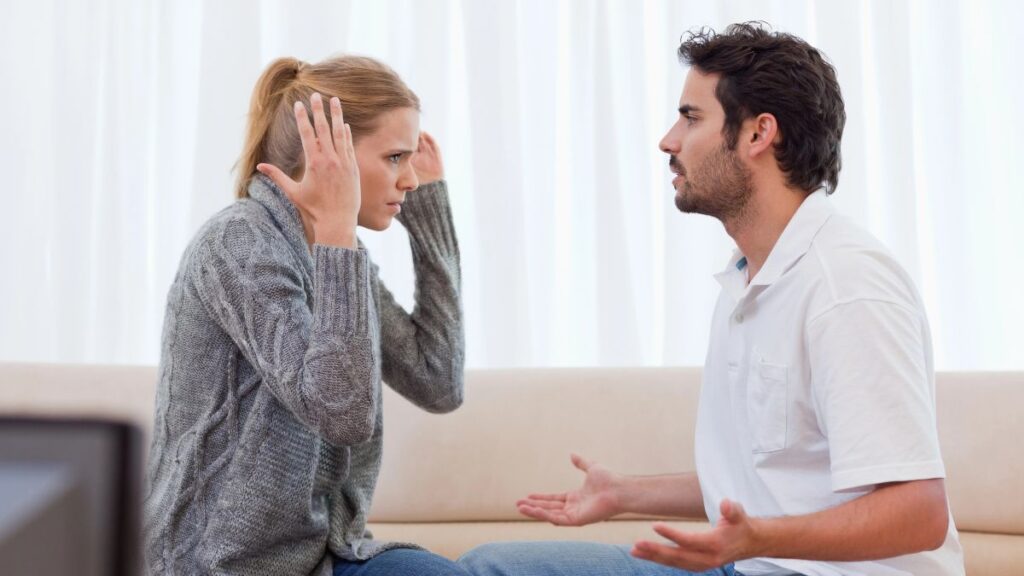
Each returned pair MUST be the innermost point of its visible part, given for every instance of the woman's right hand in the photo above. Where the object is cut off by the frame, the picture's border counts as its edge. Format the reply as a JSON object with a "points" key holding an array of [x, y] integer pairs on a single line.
{"points": [[328, 196], [595, 501]]}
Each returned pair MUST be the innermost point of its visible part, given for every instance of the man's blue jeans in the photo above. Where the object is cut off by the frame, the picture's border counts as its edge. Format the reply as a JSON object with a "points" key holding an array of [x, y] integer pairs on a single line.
{"points": [[400, 562], [567, 559]]}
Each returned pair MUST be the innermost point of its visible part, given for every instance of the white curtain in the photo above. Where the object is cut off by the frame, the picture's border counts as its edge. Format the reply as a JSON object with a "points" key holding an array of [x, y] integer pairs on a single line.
{"points": [[123, 119]]}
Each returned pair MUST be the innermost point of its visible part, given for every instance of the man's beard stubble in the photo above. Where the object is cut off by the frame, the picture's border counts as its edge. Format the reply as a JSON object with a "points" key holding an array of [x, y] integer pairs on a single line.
{"points": [[719, 187]]}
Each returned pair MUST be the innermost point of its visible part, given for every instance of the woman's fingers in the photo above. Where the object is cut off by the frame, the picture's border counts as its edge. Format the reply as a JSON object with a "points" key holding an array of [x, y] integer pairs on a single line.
{"points": [[278, 176], [340, 132], [306, 133], [323, 129], [431, 144], [428, 147]]}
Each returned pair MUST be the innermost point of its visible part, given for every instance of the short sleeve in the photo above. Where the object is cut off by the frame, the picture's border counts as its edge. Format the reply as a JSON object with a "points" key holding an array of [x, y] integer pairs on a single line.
{"points": [[873, 387]]}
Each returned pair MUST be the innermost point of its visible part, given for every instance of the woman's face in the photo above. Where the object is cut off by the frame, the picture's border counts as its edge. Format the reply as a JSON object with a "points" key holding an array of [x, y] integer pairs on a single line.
{"points": [[385, 167]]}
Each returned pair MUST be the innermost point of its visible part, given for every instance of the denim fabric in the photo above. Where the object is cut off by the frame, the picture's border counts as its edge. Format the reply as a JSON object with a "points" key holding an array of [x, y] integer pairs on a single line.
{"points": [[567, 559], [400, 562]]}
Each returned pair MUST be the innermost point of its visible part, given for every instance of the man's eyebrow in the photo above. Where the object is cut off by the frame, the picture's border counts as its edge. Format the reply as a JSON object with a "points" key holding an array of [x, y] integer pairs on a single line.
{"points": [[688, 108]]}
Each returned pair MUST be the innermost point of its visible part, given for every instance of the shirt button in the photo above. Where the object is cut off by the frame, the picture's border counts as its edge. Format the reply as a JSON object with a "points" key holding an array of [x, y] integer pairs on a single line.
{"points": [[739, 317]]}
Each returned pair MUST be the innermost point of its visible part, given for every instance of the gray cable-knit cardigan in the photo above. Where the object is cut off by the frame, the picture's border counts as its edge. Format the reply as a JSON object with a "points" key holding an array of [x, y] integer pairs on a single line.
{"points": [[267, 437]]}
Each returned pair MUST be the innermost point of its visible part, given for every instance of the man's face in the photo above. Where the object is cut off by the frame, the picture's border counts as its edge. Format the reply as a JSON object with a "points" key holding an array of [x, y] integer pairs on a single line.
{"points": [[710, 178]]}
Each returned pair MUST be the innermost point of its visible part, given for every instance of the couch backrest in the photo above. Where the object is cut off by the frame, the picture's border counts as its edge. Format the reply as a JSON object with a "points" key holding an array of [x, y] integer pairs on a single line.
{"points": [[515, 431], [517, 427]]}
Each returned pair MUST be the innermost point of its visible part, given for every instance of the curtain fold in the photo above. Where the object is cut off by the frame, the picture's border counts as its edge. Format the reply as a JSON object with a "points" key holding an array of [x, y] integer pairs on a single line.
{"points": [[124, 119]]}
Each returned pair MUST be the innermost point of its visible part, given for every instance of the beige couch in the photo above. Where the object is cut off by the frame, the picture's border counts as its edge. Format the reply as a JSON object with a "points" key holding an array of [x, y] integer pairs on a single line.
{"points": [[450, 482]]}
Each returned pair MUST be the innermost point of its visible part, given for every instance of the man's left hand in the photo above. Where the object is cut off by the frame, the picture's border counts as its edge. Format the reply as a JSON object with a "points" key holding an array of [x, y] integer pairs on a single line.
{"points": [[735, 537]]}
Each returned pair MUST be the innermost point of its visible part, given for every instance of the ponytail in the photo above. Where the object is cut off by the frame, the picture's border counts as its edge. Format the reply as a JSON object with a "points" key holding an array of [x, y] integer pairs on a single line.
{"points": [[277, 80]]}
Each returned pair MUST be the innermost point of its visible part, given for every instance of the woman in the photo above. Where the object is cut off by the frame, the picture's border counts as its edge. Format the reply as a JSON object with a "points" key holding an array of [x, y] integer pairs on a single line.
{"points": [[267, 440]]}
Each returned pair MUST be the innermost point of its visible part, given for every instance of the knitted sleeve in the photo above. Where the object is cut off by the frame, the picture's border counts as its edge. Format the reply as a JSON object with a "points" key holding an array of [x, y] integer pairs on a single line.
{"points": [[424, 352], [318, 360]]}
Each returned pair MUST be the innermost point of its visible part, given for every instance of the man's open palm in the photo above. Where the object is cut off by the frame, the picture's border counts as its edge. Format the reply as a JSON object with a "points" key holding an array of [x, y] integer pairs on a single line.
{"points": [[595, 501]]}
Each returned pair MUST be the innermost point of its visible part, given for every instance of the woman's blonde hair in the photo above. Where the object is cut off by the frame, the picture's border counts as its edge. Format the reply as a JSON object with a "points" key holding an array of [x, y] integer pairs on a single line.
{"points": [[366, 87]]}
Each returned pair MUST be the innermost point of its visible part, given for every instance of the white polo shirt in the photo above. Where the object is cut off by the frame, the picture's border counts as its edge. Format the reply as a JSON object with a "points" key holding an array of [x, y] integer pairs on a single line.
{"points": [[819, 385]]}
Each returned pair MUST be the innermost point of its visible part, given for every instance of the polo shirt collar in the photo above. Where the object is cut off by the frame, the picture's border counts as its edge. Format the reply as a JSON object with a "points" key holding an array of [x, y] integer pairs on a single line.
{"points": [[792, 244]]}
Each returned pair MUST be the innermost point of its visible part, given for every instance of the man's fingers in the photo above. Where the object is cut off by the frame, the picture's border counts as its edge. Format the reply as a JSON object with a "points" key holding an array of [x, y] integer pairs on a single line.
{"points": [[545, 504], [580, 462], [534, 512], [655, 552], [323, 129], [732, 511], [557, 518], [282, 180], [670, 556], [556, 497], [695, 541]]}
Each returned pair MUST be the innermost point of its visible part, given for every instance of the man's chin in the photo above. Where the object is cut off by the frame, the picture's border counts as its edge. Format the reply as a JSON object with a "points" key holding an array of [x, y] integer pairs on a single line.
{"points": [[684, 203]]}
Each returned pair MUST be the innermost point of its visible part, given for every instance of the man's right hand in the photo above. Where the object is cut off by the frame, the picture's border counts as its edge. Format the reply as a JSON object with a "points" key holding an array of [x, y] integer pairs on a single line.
{"points": [[595, 501]]}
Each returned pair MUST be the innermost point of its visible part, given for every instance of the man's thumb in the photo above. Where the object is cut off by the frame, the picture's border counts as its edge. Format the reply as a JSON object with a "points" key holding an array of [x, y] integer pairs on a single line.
{"points": [[731, 511], [581, 463]]}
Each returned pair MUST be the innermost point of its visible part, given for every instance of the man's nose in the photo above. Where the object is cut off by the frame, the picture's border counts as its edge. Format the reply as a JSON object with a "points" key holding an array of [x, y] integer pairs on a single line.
{"points": [[669, 144]]}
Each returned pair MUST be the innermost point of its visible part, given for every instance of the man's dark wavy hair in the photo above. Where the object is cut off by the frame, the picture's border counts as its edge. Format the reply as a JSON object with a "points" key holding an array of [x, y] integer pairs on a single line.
{"points": [[779, 74]]}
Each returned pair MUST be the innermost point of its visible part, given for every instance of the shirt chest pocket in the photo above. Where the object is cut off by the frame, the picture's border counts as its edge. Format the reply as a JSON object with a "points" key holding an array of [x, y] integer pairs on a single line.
{"points": [[767, 404]]}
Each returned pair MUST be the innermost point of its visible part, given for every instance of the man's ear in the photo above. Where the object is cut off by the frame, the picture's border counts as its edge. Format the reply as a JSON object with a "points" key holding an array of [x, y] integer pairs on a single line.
{"points": [[762, 134]]}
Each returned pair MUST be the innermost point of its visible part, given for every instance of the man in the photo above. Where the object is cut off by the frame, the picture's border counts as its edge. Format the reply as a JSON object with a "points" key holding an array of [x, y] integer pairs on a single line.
{"points": [[816, 448]]}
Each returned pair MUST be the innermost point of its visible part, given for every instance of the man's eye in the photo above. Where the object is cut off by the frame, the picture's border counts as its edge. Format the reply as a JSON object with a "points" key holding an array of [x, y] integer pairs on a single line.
{"points": [[395, 158], [689, 120]]}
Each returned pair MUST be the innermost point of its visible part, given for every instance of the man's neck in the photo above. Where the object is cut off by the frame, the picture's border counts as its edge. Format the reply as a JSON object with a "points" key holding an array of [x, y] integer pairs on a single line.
{"points": [[758, 228]]}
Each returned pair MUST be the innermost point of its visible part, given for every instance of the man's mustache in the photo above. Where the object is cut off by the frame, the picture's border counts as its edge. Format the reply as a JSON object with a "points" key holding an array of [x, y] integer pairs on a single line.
{"points": [[676, 166]]}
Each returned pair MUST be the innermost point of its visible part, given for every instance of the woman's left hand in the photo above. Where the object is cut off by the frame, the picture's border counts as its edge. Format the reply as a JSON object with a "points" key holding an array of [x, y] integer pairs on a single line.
{"points": [[427, 160]]}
